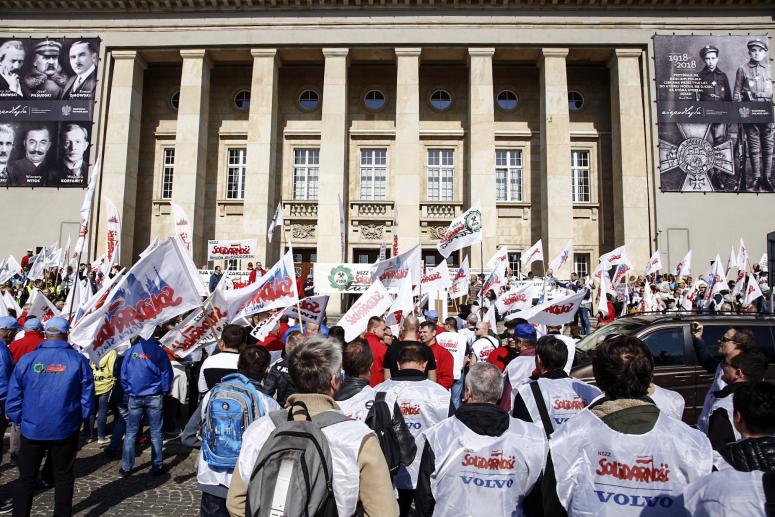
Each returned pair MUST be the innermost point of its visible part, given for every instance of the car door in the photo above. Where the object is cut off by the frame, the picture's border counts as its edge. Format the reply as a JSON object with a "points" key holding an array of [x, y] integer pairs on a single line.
{"points": [[672, 371]]}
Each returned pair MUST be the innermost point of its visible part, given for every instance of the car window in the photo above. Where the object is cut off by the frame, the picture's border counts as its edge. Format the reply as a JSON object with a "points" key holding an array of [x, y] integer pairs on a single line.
{"points": [[616, 328], [666, 345], [763, 335]]}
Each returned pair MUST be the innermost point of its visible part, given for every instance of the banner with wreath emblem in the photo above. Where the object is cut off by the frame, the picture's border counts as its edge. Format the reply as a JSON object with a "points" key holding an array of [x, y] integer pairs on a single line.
{"points": [[338, 278]]}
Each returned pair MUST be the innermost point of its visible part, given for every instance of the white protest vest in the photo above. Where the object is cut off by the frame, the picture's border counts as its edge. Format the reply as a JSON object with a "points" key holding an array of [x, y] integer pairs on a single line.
{"points": [[520, 369], [456, 345], [484, 476], [570, 344], [726, 403], [718, 384], [423, 404], [482, 347], [728, 494], [669, 402], [358, 405], [344, 442], [563, 398], [601, 472]]}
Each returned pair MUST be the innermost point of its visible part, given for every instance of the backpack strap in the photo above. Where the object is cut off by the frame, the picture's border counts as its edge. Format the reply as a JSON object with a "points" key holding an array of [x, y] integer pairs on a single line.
{"points": [[380, 396], [542, 411], [768, 480]]}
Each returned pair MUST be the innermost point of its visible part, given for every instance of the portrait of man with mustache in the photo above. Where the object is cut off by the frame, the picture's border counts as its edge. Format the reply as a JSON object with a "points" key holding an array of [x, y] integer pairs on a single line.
{"points": [[32, 171], [46, 79]]}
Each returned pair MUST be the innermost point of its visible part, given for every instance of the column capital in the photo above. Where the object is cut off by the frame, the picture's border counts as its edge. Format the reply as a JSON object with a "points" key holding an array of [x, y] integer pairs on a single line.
{"points": [[618, 54], [263, 52], [481, 52], [408, 51], [551, 52], [336, 52], [129, 55], [197, 53]]}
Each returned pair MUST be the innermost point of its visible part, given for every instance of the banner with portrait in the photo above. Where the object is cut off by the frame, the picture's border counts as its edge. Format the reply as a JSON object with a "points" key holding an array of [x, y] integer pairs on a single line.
{"points": [[714, 112], [47, 89]]}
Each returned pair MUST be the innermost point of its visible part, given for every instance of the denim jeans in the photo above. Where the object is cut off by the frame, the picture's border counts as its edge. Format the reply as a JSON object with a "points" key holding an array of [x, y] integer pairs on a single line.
{"points": [[119, 428], [584, 312], [457, 392], [152, 406], [100, 410]]}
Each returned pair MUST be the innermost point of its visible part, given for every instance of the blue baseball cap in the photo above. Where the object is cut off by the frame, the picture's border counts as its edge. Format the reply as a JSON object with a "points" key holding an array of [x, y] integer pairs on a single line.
{"points": [[288, 332], [57, 325], [525, 331], [33, 324], [9, 323], [432, 315]]}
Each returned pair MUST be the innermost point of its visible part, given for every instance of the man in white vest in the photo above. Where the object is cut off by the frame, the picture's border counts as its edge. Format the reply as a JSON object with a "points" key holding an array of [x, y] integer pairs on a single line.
{"points": [[483, 343], [456, 344], [360, 473], [479, 462], [621, 456], [552, 398], [569, 342], [519, 369], [731, 494], [422, 402], [749, 366]]}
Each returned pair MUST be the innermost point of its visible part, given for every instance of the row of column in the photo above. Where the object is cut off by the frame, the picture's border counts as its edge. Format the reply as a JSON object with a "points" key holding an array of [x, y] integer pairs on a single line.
{"points": [[630, 185]]}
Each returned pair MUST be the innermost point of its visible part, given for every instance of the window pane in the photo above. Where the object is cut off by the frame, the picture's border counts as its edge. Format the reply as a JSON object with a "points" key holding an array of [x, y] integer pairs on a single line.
{"points": [[667, 346], [581, 264], [168, 169], [500, 184], [305, 173], [580, 176]]}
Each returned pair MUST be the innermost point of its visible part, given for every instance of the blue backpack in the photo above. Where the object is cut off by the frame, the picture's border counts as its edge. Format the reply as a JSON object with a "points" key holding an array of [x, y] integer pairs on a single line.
{"points": [[234, 404]]}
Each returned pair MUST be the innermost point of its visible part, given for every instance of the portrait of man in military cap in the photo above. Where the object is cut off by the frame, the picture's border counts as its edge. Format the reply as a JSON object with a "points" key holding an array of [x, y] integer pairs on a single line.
{"points": [[46, 79], [753, 83]]}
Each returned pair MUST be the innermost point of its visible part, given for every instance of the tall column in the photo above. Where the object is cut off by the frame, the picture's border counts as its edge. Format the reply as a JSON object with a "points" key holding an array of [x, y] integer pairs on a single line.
{"points": [[261, 178], [122, 145], [481, 117], [333, 159], [630, 172], [188, 188], [405, 169], [556, 181]]}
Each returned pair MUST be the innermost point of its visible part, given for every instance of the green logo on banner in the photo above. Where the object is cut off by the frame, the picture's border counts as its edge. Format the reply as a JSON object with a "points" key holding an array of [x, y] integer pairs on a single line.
{"points": [[340, 278]]}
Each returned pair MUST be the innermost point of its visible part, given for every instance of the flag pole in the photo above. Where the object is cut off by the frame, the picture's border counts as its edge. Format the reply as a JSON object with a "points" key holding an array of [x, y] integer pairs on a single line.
{"points": [[298, 307], [481, 289]]}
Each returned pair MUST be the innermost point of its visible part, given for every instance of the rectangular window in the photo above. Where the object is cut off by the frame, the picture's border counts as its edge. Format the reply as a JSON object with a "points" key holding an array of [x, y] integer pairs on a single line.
{"points": [[306, 169], [580, 173], [231, 264], [374, 174], [167, 171], [581, 264], [508, 175], [441, 174], [514, 259], [235, 173]]}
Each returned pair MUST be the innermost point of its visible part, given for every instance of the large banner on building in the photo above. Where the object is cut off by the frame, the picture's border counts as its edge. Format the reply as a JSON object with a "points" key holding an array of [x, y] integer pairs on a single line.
{"points": [[714, 111], [217, 250], [338, 278], [47, 89]]}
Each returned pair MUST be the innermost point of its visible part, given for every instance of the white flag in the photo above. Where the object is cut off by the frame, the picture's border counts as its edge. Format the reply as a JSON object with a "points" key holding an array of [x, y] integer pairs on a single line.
{"points": [[655, 263], [193, 272], [37, 269], [532, 254], [41, 307], [621, 272], [752, 291], [10, 304], [742, 256], [465, 230], [182, 228], [313, 309], [496, 280], [391, 271], [374, 302], [156, 289], [556, 312], [277, 220], [515, 299], [277, 288], [395, 232], [8, 268], [602, 301], [436, 280], [717, 279], [152, 246], [113, 232], [461, 281], [402, 305], [763, 266], [501, 256], [684, 267], [202, 325], [489, 319], [739, 282], [64, 260], [613, 257], [732, 261], [86, 208], [53, 255], [342, 230], [562, 257]]}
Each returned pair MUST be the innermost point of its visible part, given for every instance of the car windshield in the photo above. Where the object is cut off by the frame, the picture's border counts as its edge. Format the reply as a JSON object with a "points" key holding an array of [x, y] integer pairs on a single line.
{"points": [[615, 328]]}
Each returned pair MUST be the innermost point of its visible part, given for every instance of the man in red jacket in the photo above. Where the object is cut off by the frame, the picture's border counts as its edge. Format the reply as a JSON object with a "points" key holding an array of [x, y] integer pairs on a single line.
{"points": [[375, 331], [33, 336], [444, 360]]}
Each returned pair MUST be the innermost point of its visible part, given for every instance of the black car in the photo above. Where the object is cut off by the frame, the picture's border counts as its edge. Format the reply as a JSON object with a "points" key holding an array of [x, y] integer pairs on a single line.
{"points": [[669, 338]]}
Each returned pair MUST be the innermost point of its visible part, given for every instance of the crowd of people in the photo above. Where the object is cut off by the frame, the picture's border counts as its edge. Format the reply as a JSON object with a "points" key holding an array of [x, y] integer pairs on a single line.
{"points": [[435, 416]]}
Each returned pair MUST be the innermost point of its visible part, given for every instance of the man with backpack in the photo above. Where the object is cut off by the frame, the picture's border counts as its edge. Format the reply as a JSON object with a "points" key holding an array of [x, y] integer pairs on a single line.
{"points": [[360, 401], [215, 367], [341, 458], [219, 422]]}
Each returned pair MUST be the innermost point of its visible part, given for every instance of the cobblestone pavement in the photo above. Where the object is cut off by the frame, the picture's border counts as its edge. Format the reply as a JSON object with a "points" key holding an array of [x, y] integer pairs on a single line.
{"points": [[100, 490]]}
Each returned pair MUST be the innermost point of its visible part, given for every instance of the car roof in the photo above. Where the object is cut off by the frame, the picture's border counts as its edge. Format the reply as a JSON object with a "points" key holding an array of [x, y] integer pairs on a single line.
{"points": [[646, 319]]}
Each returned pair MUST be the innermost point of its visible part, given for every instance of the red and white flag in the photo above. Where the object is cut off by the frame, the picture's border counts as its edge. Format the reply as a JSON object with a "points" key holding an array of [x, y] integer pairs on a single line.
{"points": [[613, 258], [717, 279], [113, 232], [465, 230], [622, 269], [437, 279], [461, 281], [276, 289], [10, 303], [277, 220], [374, 302], [202, 325], [752, 291], [86, 208], [739, 282], [684, 267], [556, 312], [501, 256], [655, 263], [515, 299], [182, 228], [391, 271], [532, 254], [496, 280], [562, 257], [742, 256], [313, 309], [265, 326], [402, 305], [41, 307]]}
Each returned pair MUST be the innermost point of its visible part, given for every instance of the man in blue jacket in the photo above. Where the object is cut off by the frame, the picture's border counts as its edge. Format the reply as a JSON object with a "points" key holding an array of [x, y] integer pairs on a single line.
{"points": [[49, 396], [146, 376], [8, 329]]}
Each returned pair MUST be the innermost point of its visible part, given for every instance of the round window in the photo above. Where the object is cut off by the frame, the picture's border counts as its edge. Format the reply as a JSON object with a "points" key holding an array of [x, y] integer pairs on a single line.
{"points": [[374, 100], [507, 100], [309, 100], [575, 100], [175, 100], [242, 100], [441, 100]]}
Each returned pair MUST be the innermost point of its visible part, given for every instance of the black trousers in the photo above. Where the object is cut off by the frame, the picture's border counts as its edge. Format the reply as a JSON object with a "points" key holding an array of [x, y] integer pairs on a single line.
{"points": [[62, 454]]}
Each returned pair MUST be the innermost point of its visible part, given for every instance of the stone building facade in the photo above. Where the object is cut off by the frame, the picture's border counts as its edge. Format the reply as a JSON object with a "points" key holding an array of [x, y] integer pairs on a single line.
{"points": [[407, 111]]}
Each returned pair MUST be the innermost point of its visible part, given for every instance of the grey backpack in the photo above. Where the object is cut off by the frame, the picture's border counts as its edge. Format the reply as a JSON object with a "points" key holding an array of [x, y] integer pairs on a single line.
{"points": [[293, 476]]}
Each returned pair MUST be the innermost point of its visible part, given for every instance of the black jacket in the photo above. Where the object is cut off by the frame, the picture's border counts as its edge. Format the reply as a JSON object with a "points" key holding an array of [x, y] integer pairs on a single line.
{"points": [[520, 409], [751, 454], [278, 383], [720, 430]]}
